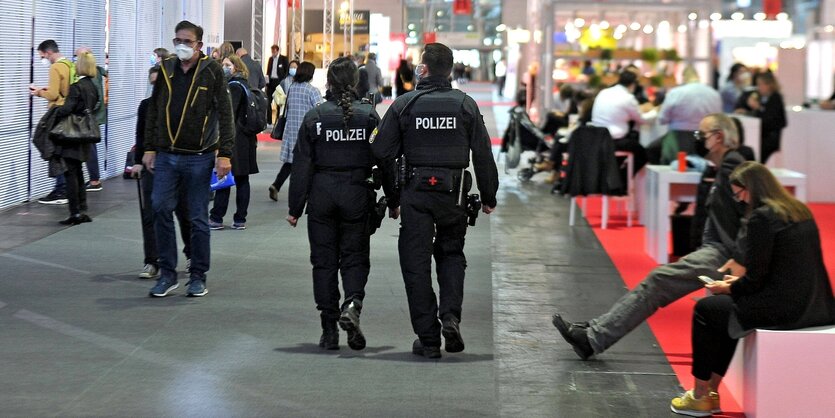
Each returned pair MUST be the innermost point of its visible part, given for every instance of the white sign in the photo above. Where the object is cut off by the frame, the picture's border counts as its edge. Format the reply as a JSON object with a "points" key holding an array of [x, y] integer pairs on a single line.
{"points": [[459, 40]]}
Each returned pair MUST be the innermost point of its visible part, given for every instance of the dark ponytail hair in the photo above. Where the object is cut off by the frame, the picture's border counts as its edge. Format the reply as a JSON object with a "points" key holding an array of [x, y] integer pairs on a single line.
{"points": [[342, 81]]}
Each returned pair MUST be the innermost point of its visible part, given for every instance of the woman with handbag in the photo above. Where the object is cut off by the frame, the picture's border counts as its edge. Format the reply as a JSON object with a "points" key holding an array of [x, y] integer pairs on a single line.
{"points": [[301, 97], [80, 102]]}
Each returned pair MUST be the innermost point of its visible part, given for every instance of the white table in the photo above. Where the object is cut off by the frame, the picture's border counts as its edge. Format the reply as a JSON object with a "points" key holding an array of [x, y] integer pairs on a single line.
{"points": [[662, 185]]}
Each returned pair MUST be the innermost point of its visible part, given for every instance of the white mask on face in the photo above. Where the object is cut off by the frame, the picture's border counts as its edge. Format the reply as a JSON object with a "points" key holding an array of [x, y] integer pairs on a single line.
{"points": [[184, 52], [45, 62]]}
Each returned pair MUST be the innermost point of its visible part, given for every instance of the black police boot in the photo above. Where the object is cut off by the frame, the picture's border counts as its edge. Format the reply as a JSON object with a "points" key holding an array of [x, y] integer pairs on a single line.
{"points": [[419, 349], [349, 320], [330, 335], [452, 334], [574, 334]]}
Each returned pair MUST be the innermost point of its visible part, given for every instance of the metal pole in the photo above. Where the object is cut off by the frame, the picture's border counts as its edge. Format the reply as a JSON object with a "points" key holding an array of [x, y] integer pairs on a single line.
{"points": [[547, 69]]}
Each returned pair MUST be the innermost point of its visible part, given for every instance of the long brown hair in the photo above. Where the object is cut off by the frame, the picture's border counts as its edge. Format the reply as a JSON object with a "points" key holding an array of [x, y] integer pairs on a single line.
{"points": [[764, 189]]}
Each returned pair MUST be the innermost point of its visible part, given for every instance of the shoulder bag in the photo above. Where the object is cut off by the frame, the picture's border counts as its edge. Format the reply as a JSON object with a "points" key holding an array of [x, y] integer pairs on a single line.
{"points": [[278, 128], [77, 129]]}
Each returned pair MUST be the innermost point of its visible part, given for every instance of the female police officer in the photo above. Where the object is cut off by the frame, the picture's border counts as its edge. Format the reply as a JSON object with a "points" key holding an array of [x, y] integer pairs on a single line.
{"points": [[331, 165]]}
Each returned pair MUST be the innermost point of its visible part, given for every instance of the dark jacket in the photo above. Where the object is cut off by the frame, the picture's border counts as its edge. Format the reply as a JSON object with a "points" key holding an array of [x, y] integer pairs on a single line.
{"points": [[717, 217], [786, 285], [48, 150], [592, 167], [772, 112], [141, 117], [405, 74], [387, 143], [283, 66], [83, 96], [256, 78], [207, 123], [243, 153]]}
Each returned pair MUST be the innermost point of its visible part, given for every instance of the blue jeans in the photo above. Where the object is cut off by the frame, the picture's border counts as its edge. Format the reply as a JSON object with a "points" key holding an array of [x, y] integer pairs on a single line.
{"points": [[192, 174]]}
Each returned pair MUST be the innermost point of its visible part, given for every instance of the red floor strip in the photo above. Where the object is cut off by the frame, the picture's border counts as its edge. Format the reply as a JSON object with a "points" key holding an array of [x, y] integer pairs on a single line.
{"points": [[671, 325]]}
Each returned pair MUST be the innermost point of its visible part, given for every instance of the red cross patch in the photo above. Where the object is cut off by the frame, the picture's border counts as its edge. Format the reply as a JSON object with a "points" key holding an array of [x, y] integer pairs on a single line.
{"points": [[432, 181]]}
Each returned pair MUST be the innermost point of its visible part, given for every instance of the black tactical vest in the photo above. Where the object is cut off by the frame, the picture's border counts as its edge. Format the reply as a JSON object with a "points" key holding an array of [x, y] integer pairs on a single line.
{"points": [[435, 135], [336, 147]]}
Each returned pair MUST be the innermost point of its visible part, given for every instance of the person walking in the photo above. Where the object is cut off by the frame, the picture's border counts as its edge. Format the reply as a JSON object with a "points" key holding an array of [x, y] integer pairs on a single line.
{"points": [[255, 78], [277, 67], [435, 128], [331, 168], [189, 129]]}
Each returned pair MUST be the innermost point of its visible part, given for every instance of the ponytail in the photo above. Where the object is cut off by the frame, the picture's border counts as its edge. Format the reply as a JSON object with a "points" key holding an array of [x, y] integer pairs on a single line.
{"points": [[346, 100]]}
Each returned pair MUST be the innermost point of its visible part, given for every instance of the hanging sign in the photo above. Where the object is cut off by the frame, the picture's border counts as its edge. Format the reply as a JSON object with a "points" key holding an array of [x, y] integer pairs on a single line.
{"points": [[462, 7]]}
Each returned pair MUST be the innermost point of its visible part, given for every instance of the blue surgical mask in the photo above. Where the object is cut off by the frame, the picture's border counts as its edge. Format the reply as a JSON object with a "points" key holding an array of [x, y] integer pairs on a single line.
{"points": [[227, 71], [292, 72], [418, 72]]}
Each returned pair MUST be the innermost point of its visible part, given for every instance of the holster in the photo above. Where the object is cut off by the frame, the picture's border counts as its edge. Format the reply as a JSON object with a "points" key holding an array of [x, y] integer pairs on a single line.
{"points": [[376, 213]]}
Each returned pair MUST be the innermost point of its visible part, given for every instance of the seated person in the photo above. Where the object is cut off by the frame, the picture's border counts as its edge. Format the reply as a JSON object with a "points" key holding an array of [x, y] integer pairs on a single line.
{"points": [[786, 285], [564, 105], [553, 162], [683, 109], [615, 108], [673, 281]]}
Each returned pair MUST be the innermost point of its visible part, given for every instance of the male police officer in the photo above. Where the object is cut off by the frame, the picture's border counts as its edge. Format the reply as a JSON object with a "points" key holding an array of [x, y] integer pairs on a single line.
{"points": [[435, 128]]}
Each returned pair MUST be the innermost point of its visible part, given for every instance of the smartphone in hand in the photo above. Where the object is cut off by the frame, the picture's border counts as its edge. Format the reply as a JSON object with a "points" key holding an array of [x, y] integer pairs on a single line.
{"points": [[706, 280]]}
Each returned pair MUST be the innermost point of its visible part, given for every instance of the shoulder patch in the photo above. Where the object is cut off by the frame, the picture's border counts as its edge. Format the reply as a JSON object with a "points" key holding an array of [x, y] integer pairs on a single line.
{"points": [[373, 136]]}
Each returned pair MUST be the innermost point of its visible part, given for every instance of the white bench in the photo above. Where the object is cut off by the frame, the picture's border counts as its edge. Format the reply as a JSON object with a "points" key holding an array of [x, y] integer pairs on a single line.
{"points": [[785, 373]]}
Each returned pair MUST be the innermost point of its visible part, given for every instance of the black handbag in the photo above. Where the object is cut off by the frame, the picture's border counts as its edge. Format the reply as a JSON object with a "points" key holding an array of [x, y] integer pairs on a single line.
{"points": [[278, 128], [77, 129]]}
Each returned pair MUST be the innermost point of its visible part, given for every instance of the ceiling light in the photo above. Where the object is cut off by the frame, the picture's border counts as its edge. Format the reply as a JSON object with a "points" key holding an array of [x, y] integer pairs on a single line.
{"points": [[579, 22], [648, 29], [737, 16], [692, 16], [759, 16], [635, 26], [715, 16]]}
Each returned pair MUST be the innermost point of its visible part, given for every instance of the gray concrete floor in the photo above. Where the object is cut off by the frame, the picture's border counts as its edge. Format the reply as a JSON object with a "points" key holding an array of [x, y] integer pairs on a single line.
{"points": [[80, 337]]}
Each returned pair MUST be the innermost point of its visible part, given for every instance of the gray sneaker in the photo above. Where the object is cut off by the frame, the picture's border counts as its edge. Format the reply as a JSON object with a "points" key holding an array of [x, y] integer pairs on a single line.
{"points": [[149, 272], [197, 288], [215, 226], [239, 226], [164, 287]]}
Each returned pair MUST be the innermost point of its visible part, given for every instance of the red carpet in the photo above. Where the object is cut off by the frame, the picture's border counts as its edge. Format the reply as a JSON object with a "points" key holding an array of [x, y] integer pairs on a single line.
{"points": [[671, 325]]}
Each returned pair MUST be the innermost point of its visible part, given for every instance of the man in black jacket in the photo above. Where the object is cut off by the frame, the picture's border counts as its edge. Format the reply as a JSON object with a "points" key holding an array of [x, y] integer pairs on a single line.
{"points": [[277, 68], [256, 78], [673, 281], [189, 130], [435, 128]]}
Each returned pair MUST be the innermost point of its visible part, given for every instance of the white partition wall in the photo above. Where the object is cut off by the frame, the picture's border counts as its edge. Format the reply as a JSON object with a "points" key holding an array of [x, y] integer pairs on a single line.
{"points": [[136, 28]]}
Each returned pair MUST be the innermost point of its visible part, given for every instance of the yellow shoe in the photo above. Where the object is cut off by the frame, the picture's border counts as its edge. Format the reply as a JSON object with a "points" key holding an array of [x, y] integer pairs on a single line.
{"points": [[688, 405], [714, 402]]}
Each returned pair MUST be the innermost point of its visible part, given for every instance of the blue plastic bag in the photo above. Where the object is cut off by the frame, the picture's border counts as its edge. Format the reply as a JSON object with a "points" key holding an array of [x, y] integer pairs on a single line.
{"points": [[223, 182]]}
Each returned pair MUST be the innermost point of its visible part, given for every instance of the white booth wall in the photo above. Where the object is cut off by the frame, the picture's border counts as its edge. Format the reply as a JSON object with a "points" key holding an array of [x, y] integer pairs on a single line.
{"points": [[136, 28]]}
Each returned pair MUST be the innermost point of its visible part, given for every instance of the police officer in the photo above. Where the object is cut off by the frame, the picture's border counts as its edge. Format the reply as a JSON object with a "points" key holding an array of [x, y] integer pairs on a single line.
{"points": [[435, 128], [331, 166]]}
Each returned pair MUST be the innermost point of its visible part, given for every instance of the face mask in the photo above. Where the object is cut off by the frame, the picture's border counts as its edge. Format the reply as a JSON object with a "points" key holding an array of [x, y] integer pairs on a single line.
{"points": [[418, 72], [184, 53], [153, 60], [45, 62], [292, 72], [227, 72]]}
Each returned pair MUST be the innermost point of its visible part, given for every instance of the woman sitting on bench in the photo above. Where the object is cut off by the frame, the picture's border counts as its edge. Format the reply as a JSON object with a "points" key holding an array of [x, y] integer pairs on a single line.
{"points": [[785, 286]]}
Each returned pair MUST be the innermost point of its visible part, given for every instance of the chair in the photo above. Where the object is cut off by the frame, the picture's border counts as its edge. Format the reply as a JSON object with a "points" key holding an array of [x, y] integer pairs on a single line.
{"points": [[593, 170]]}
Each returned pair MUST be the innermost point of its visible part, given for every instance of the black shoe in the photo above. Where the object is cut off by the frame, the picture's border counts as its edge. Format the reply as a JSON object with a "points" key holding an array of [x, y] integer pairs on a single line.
{"points": [[273, 193], [72, 220], [350, 322], [330, 335], [84, 218], [574, 335], [419, 349], [452, 334]]}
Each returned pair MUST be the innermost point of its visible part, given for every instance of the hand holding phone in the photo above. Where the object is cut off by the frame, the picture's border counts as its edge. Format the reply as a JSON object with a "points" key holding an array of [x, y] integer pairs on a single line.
{"points": [[706, 280]]}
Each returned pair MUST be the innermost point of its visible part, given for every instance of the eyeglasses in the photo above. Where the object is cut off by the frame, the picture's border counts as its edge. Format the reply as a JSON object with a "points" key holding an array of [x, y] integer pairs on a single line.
{"points": [[704, 135], [737, 193], [187, 42]]}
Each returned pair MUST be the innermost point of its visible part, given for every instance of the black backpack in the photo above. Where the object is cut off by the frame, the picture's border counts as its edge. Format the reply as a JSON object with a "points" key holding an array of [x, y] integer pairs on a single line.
{"points": [[254, 121]]}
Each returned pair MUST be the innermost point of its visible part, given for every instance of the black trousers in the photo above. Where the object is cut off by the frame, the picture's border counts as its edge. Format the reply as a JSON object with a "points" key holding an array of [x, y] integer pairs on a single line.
{"points": [[339, 241], [272, 85], [428, 216], [632, 143], [221, 203], [769, 144], [76, 192], [149, 237], [282, 175], [713, 348]]}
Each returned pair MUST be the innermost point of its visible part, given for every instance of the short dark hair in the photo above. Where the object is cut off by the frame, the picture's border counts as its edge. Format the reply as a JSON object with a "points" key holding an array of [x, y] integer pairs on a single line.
{"points": [[438, 58], [197, 30], [627, 78], [275, 47], [48, 46], [305, 72]]}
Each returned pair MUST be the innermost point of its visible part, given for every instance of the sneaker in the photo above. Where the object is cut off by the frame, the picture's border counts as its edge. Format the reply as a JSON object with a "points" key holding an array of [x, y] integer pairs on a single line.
{"points": [[239, 226], [54, 198], [196, 288], [273, 193], [419, 349], [163, 287], [574, 335], [90, 187], [452, 334], [349, 321], [715, 406], [215, 226], [690, 406], [149, 272]]}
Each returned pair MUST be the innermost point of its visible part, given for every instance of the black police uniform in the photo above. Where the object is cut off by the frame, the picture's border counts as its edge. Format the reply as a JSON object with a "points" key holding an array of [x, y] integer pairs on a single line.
{"points": [[331, 165], [436, 133]]}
